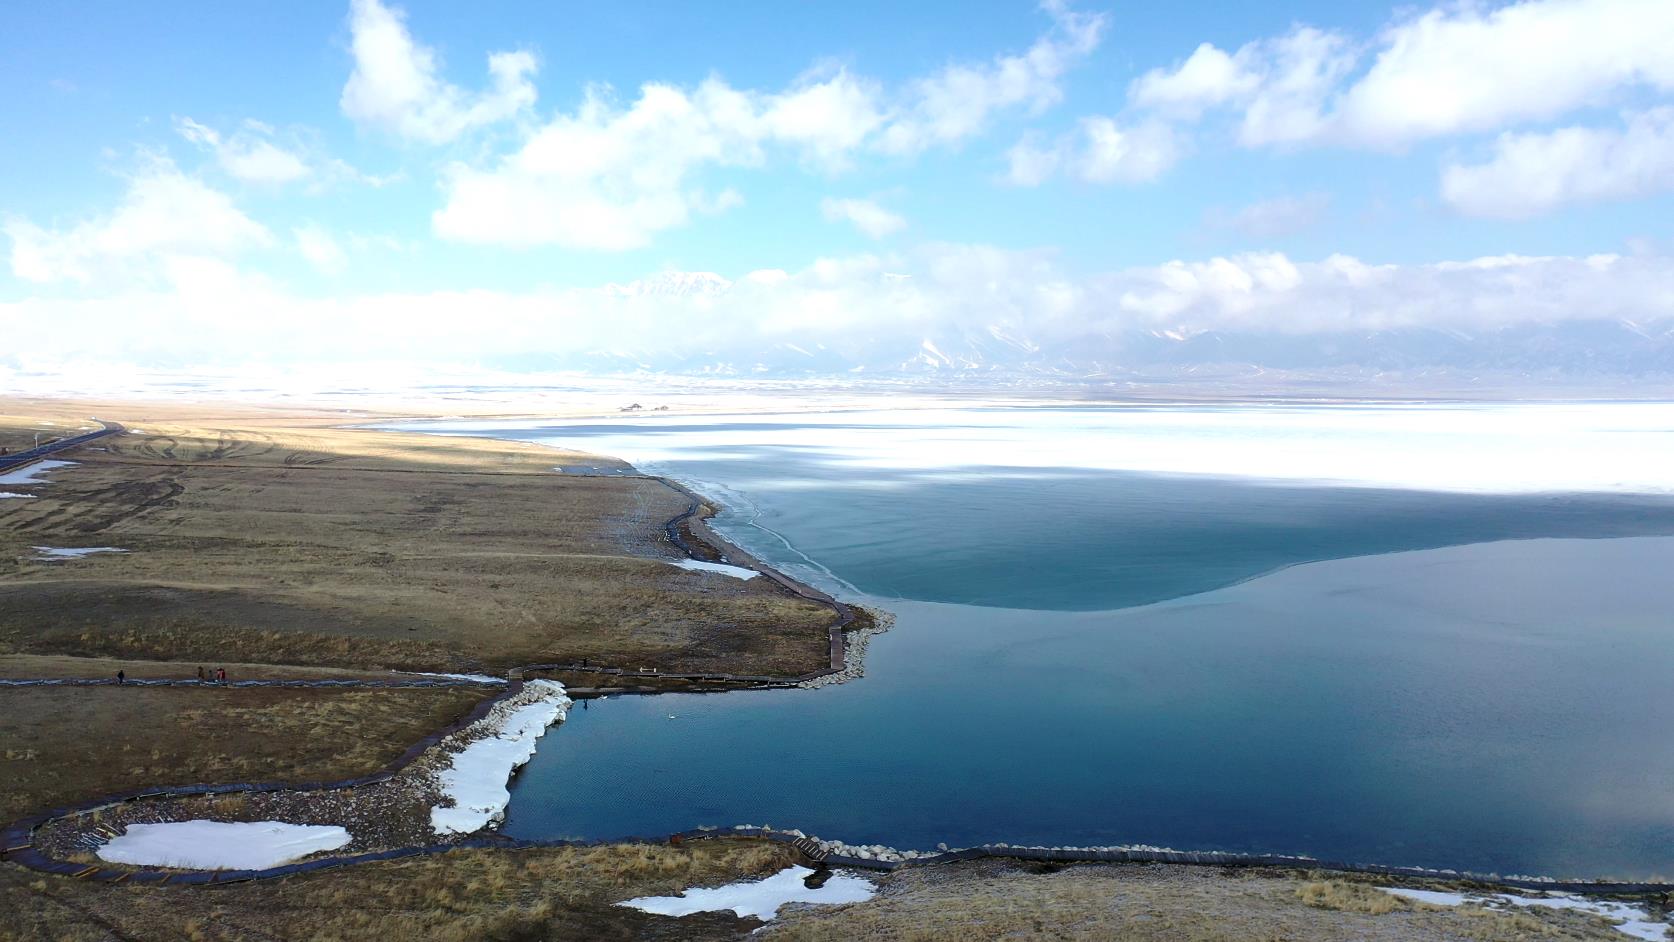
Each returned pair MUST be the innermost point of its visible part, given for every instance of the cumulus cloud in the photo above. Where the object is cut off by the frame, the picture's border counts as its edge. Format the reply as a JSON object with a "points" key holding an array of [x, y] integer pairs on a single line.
{"points": [[1208, 77], [1453, 69], [607, 177], [164, 216], [1469, 68], [1533, 173], [865, 215], [396, 83], [248, 154], [610, 176], [960, 100], [1100, 150]]}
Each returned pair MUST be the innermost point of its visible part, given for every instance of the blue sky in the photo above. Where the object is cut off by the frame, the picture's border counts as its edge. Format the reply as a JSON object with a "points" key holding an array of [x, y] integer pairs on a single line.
{"points": [[330, 158]]}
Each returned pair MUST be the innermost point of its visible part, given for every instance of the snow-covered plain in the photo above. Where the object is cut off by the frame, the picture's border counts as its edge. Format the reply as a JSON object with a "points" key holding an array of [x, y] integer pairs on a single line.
{"points": [[736, 572], [1630, 920], [31, 473], [221, 845], [758, 898], [58, 552], [476, 776]]}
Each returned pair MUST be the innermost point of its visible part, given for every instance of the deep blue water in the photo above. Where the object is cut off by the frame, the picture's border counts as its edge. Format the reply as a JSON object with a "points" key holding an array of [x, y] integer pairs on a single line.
{"points": [[1091, 655]]}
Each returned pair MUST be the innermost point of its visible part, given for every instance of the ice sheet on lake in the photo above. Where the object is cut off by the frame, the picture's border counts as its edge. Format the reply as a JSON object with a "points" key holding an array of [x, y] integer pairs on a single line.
{"points": [[1470, 447], [758, 898], [737, 572], [221, 845], [31, 473], [476, 776], [1630, 920]]}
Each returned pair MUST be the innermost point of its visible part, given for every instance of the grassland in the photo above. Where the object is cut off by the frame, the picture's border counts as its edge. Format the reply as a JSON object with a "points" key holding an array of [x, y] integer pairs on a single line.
{"points": [[66, 744], [1158, 903], [290, 543], [460, 896]]}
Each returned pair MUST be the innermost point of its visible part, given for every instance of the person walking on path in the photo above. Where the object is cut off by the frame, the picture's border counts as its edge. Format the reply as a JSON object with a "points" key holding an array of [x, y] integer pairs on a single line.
{"points": [[200, 674], [121, 678], [220, 675]]}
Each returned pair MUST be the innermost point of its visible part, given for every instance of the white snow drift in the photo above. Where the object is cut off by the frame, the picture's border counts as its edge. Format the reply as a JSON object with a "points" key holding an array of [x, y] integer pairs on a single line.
{"points": [[758, 898], [58, 552], [737, 572], [221, 845], [476, 776], [6, 494], [31, 473], [1627, 919]]}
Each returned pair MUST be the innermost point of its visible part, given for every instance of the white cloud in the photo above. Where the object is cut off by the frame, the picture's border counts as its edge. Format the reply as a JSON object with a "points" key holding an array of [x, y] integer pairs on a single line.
{"points": [[865, 215], [1458, 68], [321, 249], [164, 214], [610, 177], [396, 84], [959, 101], [868, 302], [249, 154], [604, 177], [1208, 77], [1470, 68], [1270, 218], [1535, 172], [1100, 150]]}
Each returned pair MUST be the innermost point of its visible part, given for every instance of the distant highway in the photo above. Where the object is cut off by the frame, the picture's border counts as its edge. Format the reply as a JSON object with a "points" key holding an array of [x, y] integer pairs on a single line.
{"points": [[8, 462]]}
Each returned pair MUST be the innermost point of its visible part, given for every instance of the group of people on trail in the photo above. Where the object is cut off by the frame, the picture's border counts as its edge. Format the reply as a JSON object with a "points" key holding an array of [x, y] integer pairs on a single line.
{"points": [[218, 676]]}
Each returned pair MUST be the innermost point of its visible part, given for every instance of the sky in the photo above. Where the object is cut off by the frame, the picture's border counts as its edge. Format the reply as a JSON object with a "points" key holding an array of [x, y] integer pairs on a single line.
{"points": [[213, 184]]}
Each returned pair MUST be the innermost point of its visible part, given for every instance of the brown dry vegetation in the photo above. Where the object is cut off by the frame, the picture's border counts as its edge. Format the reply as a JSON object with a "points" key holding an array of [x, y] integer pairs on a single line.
{"points": [[65, 744], [1157, 903], [558, 893], [292, 544]]}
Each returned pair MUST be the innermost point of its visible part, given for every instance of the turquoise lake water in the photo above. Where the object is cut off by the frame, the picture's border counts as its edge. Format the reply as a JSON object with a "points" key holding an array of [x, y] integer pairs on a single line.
{"points": [[1420, 636]]}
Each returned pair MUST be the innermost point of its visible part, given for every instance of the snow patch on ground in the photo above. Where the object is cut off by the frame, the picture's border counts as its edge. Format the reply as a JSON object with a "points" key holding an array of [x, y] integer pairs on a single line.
{"points": [[758, 898], [221, 845], [476, 776], [737, 572], [1630, 920], [6, 494], [30, 473], [478, 678], [55, 552]]}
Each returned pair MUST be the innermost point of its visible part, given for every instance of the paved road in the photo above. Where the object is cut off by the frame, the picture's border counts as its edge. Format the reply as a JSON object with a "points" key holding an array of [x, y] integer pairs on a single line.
{"points": [[8, 462]]}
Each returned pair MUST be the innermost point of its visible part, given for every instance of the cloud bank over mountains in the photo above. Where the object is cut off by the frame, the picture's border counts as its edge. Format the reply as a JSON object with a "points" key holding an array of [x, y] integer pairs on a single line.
{"points": [[939, 308]]}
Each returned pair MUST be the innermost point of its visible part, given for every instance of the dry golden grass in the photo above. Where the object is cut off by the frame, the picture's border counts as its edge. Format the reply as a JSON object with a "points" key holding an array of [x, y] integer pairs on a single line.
{"points": [[560, 893], [62, 745], [998, 900], [364, 549]]}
